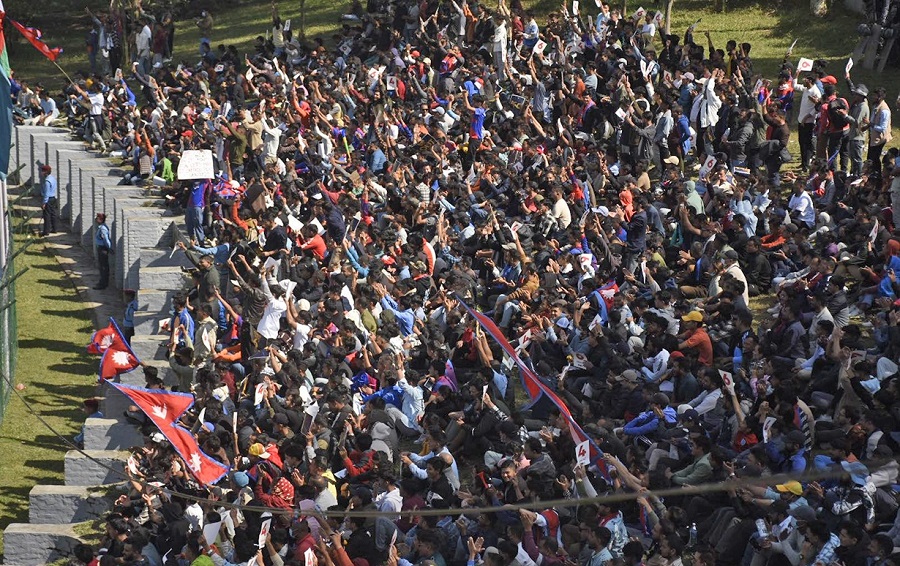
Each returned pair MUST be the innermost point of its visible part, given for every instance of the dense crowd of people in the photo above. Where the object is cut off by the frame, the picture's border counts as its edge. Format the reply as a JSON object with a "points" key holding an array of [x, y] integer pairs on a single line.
{"points": [[614, 197]]}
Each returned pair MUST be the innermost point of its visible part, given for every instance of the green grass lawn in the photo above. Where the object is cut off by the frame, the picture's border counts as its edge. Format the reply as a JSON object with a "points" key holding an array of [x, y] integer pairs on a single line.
{"points": [[57, 373]]}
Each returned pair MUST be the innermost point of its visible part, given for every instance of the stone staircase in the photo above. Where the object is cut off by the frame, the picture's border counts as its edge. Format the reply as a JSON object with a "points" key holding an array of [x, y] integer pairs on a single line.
{"points": [[143, 237]]}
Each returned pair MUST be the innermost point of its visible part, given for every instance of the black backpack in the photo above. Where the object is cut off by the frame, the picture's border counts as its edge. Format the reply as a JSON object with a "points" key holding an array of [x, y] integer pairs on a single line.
{"points": [[837, 119]]}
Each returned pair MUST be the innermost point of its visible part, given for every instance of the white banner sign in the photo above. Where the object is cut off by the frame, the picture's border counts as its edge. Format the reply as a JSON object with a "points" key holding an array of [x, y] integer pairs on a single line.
{"points": [[196, 164]]}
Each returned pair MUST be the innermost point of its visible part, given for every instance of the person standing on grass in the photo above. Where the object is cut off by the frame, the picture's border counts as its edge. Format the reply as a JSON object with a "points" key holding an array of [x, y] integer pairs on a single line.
{"points": [[879, 125], [49, 189], [806, 118], [104, 248]]}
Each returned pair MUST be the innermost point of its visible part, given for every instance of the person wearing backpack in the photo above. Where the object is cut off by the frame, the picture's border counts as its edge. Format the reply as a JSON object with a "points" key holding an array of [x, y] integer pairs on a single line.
{"points": [[837, 131], [828, 94]]}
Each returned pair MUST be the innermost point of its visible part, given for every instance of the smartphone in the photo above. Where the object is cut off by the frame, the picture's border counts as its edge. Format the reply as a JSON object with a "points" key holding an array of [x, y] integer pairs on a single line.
{"points": [[307, 423]]}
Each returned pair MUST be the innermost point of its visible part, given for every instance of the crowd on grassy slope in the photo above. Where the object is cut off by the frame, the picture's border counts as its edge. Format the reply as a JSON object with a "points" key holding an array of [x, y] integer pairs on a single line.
{"points": [[609, 197]]}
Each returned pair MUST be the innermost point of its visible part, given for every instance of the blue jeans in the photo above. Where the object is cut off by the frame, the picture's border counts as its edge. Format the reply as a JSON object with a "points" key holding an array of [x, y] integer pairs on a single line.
{"points": [[193, 219]]}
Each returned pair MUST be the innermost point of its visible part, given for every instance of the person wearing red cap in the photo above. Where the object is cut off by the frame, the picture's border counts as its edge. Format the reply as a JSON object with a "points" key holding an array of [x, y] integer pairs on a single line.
{"points": [[49, 188]]}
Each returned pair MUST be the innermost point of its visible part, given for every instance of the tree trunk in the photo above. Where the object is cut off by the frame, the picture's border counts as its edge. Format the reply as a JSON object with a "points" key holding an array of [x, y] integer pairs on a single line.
{"points": [[624, 8], [302, 32], [668, 28], [720, 6]]}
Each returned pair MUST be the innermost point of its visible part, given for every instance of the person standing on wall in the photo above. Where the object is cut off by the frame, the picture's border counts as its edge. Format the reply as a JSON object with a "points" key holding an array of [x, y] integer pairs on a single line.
{"points": [[49, 189], [104, 248]]}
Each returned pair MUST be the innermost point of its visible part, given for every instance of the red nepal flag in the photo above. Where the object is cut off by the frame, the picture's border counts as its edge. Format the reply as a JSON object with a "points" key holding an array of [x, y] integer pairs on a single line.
{"points": [[536, 388], [105, 338], [101, 340], [33, 35], [118, 357], [116, 361], [164, 408]]}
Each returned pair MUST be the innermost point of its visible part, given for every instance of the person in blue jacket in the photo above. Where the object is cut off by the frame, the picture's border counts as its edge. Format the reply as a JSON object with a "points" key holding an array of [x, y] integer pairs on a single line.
{"points": [[648, 422]]}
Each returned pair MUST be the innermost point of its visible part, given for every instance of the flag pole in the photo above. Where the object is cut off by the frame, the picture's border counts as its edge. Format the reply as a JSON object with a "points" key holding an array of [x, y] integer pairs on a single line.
{"points": [[63, 72]]}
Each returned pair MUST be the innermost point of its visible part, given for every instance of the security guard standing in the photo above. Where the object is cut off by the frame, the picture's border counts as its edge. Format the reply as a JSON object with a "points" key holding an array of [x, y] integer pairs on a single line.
{"points": [[49, 188]]}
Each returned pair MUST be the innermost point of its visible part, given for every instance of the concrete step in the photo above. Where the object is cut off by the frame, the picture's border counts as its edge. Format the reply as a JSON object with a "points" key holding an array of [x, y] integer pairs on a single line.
{"points": [[155, 301], [114, 403], [161, 278], [147, 323], [48, 504], [103, 467], [111, 433], [163, 257], [29, 545], [148, 347]]}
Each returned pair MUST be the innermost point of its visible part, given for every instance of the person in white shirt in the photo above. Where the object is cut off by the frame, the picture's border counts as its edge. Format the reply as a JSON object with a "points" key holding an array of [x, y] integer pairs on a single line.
{"points": [[271, 318], [810, 96], [271, 140], [142, 45], [501, 36], [802, 207], [705, 111], [389, 500], [560, 210]]}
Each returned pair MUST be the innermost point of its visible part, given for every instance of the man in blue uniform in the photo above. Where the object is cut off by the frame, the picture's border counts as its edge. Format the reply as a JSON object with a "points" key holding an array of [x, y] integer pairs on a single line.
{"points": [[49, 189]]}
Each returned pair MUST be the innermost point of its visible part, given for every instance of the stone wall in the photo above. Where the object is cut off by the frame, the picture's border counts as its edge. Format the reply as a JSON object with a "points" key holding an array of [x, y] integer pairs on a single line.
{"points": [[143, 236]]}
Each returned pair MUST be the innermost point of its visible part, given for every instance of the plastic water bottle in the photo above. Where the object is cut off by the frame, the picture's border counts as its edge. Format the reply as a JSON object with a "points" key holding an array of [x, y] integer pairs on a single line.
{"points": [[692, 539]]}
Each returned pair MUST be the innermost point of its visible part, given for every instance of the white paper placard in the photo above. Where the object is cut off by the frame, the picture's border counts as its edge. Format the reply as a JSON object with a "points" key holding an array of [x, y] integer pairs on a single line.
{"points": [[707, 166], [804, 65], [540, 46], [196, 164], [583, 453], [727, 380], [211, 532], [767, 427], [259, 393], [575, 6], [848, 66], [264, 531]]}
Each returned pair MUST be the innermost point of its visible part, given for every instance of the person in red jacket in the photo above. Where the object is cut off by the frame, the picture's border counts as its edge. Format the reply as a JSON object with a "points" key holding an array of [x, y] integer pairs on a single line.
{"points": [[281, 495], [362, 459]]}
